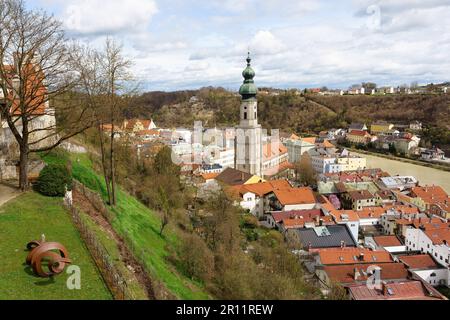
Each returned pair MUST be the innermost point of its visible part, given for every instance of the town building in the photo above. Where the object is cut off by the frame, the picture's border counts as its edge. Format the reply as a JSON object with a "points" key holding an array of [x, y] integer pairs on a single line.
{"points": [[358, 137], [381, 127]]}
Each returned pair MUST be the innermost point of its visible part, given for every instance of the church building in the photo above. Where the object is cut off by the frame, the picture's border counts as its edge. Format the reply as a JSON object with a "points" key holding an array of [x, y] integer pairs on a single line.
{"points": [[248, 145]]}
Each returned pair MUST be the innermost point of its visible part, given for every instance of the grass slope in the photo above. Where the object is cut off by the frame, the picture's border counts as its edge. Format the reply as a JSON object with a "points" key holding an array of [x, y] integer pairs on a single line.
{"points": [[140, 226], [26, 218]]}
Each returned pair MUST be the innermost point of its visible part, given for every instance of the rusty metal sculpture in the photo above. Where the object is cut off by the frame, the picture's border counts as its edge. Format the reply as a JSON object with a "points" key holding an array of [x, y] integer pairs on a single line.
{"points": [[52, 253]]}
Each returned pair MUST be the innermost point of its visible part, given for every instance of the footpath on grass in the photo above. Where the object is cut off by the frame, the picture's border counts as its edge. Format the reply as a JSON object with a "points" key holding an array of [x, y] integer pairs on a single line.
{"points": [[7, 193]]}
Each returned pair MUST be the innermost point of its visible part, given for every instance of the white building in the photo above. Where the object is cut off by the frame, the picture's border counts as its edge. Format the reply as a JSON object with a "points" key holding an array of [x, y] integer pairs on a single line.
{"points": [[431, 241]]}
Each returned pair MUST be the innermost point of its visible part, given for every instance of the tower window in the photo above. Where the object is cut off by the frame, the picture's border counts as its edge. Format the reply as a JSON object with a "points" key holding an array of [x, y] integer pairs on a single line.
{"points": [[245, 115], [255, 115]]}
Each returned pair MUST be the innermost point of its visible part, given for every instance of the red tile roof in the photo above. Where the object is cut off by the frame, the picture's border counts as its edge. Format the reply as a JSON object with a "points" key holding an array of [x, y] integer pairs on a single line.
{"points": [[371, 212], [345, 274], [358, 133], [295, 196], [306, 214], [406, 290], [439, 236], [342, 256], [422, 261], [344, 215], [388, 241]]}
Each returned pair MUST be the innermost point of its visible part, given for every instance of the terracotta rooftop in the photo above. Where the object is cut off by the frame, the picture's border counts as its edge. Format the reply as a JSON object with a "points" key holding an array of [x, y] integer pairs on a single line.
{"points": [[345, 274], [439, 236], [360, 195], [407, 290], [341, 256], [371, 212], [233, 177], [295, 196], [388, 241], [358, 133], [306, 214], [422, 261], [344, 215]]}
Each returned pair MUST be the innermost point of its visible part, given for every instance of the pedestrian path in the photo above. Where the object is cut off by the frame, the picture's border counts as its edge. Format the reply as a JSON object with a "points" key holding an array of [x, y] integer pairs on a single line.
{"points": [[7, 193]]}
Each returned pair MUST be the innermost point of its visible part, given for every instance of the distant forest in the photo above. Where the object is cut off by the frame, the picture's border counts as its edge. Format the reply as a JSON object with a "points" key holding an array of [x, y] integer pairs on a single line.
{"points": [[293, 112]]}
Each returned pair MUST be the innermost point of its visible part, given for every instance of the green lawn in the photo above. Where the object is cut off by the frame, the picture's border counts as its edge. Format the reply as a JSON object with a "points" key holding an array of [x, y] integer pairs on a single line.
{"points": [[140, 226], [26, 218], [136, 290]]}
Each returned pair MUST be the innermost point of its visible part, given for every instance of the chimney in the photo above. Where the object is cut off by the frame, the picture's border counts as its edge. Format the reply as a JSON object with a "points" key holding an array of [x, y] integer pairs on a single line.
{"points": [[317, 220], [242, 176], [357, 274], [385, 288]]}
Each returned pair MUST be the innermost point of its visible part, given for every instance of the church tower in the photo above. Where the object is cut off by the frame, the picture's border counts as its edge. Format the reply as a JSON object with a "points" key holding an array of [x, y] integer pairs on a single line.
{"points": [[248, 149]]}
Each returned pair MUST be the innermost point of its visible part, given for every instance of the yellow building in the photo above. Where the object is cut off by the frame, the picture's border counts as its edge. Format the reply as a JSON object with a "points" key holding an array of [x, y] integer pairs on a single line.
{"points": [[381, 127]]}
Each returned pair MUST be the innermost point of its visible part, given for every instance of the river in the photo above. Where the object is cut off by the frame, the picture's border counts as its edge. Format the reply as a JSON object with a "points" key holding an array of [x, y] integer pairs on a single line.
{"points": [[426, 176]]}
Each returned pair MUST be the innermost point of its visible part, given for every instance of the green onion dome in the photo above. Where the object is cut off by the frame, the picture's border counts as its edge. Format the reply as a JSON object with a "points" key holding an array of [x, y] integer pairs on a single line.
{"points": [[248, 90]]}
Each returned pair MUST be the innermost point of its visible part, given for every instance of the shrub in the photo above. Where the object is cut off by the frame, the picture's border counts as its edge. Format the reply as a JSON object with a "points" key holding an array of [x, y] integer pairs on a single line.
{"points": [[53, 181]]}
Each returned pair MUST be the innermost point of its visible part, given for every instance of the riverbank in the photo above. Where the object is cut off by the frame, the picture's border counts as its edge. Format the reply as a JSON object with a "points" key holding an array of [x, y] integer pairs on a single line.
{"points": [[425, 175], [405, 160]]}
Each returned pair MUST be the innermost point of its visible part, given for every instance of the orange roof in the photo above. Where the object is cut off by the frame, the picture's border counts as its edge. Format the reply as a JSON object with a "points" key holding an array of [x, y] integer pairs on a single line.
{"points": [[264, 188], [209, 176], [311, 140], [300, 222], [260, 189], [388, 241], [295, 196], [421, 261], [403, 209], [371, 212], [429, 193], [406, 290], [344, 215], [340, 256], [345, 274], [35, 92], [439, 236], [358, 133]]}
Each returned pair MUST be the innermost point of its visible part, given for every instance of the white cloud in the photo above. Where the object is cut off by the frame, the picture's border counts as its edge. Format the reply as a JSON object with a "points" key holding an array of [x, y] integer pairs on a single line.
{"points": [[112, 16]]}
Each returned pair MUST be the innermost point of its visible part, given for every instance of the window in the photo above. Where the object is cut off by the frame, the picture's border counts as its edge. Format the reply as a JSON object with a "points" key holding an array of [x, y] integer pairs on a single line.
{"points": [[245, 115]]}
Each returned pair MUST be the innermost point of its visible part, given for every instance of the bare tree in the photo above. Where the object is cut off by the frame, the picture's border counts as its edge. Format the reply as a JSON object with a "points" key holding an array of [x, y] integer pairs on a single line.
{"points": [[35, 76], [104, 76]]}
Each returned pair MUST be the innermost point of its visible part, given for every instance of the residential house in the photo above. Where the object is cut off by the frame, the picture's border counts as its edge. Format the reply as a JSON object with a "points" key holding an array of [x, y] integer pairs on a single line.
{"points": [[398, 182], [381, 127], [358, 137], [434, 154], [233, 177], [359, 199], [255, 197], [433, 199], [358, 274], [348, 217], [334, 236], [430, 240], [397, 290], [293, 199], [358, 127], [136, 125], [275, 218], [427, 269]]}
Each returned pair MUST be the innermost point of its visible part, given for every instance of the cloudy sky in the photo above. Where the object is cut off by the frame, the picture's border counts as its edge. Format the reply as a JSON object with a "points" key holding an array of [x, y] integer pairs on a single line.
{"points": [[182, 44]]}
